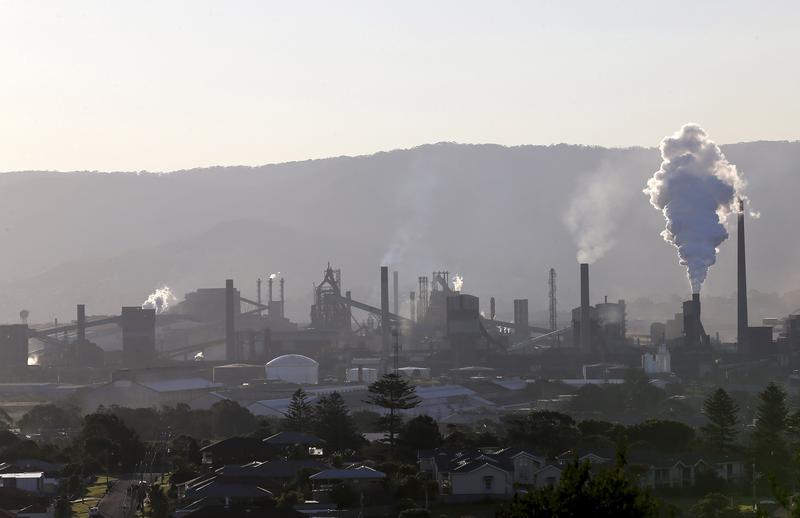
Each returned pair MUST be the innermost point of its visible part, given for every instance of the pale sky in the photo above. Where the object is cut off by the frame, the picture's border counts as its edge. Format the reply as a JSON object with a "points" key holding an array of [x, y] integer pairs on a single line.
{"points": [[164, 85]]}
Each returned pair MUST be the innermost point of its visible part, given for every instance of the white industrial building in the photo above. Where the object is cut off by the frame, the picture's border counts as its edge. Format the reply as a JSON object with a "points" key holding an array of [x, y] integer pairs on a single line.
{"points": [[361, 375], [658, 362], [415, 372], [293, 368]]}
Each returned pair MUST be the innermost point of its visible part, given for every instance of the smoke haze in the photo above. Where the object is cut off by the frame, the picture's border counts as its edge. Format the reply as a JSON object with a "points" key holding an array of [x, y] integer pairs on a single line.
{"points": [[696, 190], [591, 216]]}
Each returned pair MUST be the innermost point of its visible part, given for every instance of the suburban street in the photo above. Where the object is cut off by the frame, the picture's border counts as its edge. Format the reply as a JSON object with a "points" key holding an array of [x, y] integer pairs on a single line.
{"points": [[111, 506]]}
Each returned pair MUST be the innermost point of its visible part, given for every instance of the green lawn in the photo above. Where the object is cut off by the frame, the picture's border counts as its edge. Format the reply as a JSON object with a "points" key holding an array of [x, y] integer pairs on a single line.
{"points": [[93, 495]]}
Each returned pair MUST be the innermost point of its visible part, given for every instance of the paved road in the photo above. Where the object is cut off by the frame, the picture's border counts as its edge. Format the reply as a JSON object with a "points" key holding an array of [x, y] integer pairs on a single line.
{"points": [[111, 506]]}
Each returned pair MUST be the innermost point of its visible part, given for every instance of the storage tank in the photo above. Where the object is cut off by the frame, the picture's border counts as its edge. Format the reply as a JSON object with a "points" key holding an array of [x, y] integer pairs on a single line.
{"points": [[294, 368]]}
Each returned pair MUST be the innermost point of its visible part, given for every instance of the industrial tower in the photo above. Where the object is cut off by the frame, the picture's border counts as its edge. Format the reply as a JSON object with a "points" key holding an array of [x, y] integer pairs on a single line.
{"points": [[551, 284]]}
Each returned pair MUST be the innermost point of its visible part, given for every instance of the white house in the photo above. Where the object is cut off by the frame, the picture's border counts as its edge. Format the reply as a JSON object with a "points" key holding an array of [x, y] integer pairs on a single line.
{"points": [[549, 475], [32, 482], [684, 472], [481, 479], [524, 464]]}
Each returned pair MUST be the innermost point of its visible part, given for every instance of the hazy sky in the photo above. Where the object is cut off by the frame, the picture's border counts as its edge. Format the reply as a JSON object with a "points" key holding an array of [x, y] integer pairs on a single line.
{"points": [[163, 85]]}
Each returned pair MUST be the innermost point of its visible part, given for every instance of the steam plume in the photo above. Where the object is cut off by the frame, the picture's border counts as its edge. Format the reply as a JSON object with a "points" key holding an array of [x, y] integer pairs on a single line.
{"points": [[590, 217], [696, 189], [458, 282], [160, 299]]}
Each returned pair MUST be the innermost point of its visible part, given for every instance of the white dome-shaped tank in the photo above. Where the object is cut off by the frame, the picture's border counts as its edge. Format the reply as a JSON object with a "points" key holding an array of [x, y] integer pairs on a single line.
{"points": [[294, 368]]}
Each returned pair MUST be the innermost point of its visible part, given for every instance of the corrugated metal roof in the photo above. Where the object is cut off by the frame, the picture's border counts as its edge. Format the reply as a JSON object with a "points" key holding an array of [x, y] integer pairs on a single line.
{"points": [[442, 391], [180, 384]]}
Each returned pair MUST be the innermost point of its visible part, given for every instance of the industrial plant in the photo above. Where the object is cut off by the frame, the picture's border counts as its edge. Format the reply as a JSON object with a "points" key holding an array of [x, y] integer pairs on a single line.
{"points": [[216, 339]]}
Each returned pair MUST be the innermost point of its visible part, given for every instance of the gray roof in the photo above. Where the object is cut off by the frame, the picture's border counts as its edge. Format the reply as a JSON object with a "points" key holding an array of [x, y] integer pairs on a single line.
{"points": [[176, 385], [290, 438], [361, 473]]}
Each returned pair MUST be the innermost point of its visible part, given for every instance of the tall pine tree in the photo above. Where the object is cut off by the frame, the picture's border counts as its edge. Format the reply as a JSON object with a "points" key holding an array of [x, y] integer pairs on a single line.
{"points": [[300, 413], [393, 393], [334, 424], [722, 413], [770, 453]]}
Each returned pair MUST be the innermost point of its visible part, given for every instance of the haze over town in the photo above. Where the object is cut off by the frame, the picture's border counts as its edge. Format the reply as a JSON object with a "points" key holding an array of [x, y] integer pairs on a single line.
{"points": [[404, 259]]}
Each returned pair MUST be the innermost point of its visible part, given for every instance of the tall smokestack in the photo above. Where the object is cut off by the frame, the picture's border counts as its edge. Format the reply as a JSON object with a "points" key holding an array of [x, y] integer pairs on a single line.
{"points": [[521, 327], [81, 324], [269, 289], [741, 288], [385, 331], [258, 294], [230, 325], [396, 306], [282, 298], [412, 306], [492, 312], [586, 341]]}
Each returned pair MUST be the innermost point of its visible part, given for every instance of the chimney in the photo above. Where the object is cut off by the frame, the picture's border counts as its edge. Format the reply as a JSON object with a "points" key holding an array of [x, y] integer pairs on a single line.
{"points": [[81, 324], [412, 306], [741, 289], [349, 308], [585, 329], [396, 306], [258, 294], [492, 312], [385, 331], [521, 329], [269, 289], [282, 298], [230, 324]]}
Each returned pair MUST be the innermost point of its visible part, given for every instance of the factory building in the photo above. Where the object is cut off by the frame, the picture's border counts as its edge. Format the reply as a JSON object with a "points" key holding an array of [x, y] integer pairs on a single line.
{"points": [[690, 352], [597, 328], [463, 328], [13, 346], [208, 304], [792, 327], [657, 362], [138, 336]]}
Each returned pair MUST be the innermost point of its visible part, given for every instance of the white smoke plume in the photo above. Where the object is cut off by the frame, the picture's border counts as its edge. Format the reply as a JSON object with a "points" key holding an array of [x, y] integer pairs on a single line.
{"points": [[591, 216], [160, 299], [458, 283], [696, 189], [274, 276]]}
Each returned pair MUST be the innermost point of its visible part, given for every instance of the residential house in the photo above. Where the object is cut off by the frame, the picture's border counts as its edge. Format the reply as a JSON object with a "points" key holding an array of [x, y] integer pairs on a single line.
{"points": [[683, 471], [547, 476], [480, 479], [524, 463], [365, 481], [235, 450], [31, 482]]}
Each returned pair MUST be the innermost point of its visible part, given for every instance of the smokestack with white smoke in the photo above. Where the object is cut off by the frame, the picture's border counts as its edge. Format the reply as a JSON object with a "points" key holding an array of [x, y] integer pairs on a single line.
{"points": [[696, 190], [160, 299]]}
